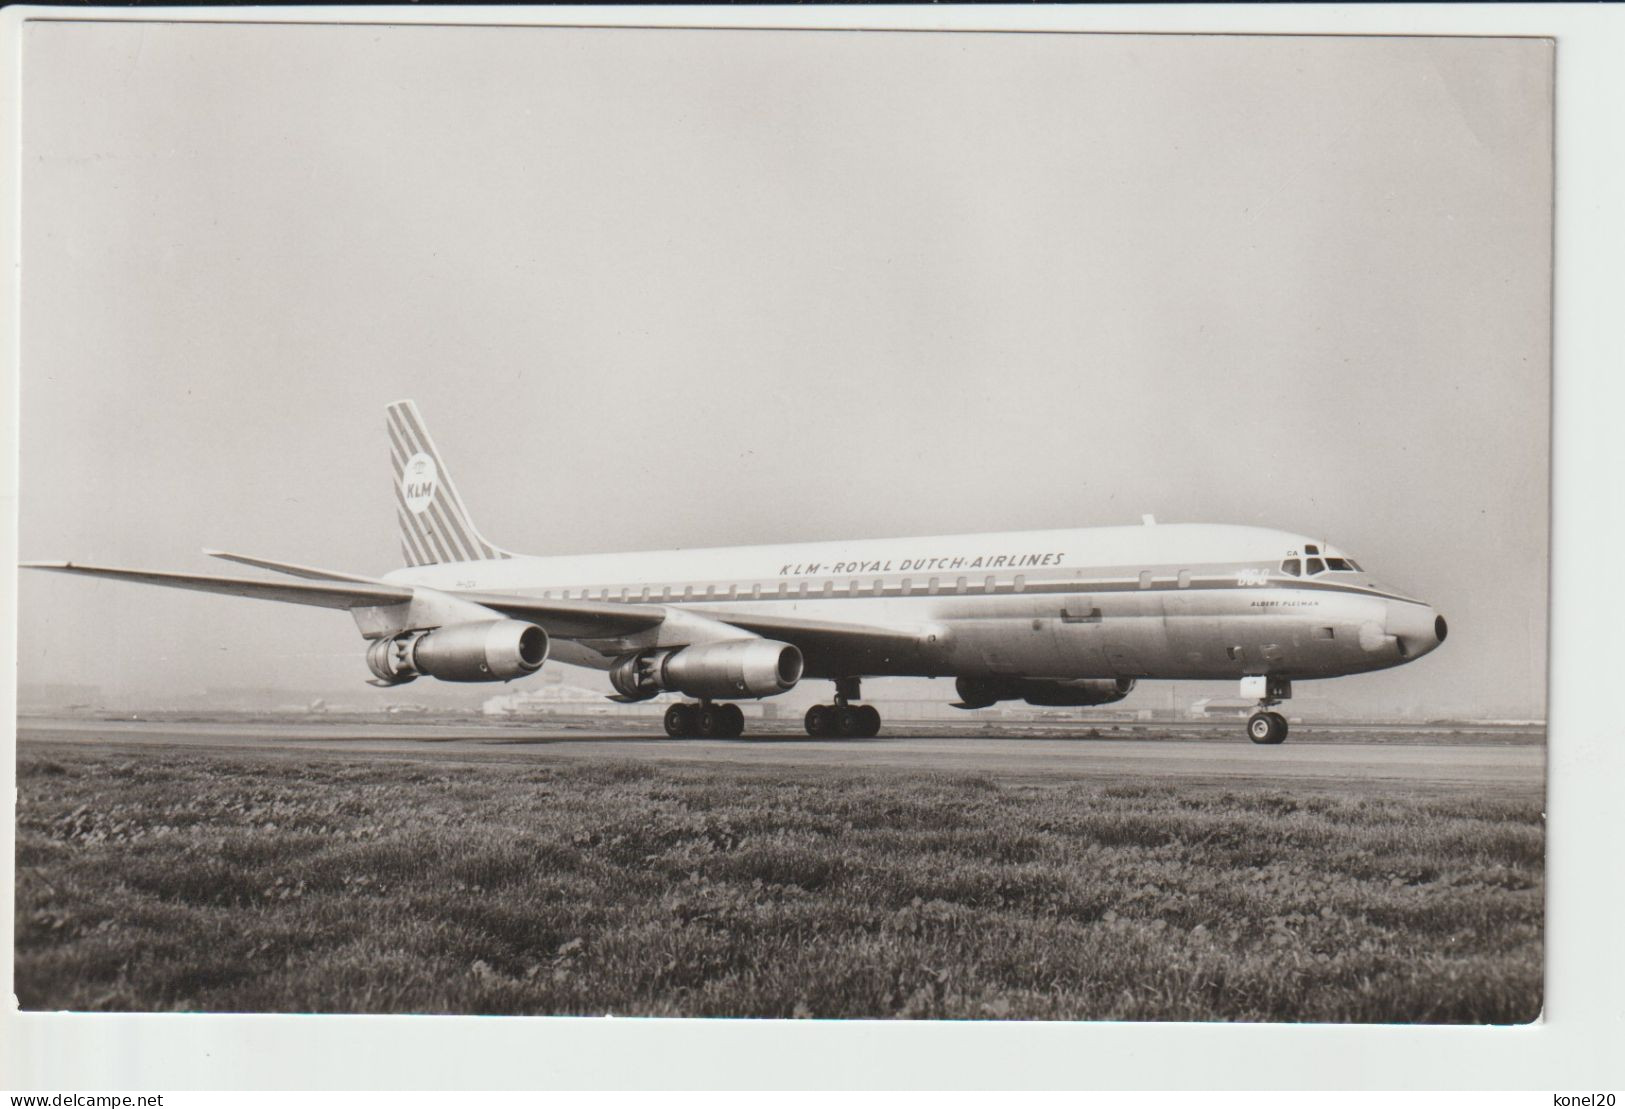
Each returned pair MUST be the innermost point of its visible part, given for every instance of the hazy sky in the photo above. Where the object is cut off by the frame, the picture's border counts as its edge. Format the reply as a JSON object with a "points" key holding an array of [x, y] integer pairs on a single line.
{"points": [[681, 288]]}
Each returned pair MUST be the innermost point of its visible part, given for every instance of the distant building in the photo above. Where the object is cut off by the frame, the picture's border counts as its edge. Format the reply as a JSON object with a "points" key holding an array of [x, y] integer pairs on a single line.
{"points": [[1222, 707], [44, 696]]}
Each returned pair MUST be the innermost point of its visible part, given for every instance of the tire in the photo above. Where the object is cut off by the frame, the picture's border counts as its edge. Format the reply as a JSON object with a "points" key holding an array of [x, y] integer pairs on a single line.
{"points": [[868, 721], [847, 723], [1266, 728], [817, 721], [679, 721], [713, 722], [734, 719]]}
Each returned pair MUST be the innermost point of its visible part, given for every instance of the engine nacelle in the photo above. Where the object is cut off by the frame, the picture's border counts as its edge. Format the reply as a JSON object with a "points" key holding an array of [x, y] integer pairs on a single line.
{"points": [[737, 668], [979, 693], [479, 651]]}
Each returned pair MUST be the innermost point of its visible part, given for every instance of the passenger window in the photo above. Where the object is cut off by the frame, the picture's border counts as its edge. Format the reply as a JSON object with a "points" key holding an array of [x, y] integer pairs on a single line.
{"points": [[802, 589], [879, 587], [784, 589], [931, 587], [829, 587], [908, 586], [1292, 566], [852, 590], [665, 592], [625, 593], [1315, 566], [987, 586], [688, 592], [1021, 582], [645, 594], [710, 591], [1184, 579], [960, 585], [756, 592], [1145, 579]]}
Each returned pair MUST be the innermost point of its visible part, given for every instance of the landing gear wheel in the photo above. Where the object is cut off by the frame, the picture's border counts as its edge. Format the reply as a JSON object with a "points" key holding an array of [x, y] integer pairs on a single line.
{"points": [[818, 721], [733, 721], [1266, 728], [868, 721], [846, 722], [680, 721], [713, 722]]}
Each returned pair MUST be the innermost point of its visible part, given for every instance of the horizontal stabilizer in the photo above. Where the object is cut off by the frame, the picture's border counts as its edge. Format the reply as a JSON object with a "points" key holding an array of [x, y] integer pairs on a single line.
{"points": [[344, 595]]}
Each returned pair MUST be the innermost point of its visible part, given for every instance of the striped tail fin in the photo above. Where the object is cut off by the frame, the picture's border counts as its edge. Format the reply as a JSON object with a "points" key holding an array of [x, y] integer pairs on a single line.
{"points": [[434, 525]]}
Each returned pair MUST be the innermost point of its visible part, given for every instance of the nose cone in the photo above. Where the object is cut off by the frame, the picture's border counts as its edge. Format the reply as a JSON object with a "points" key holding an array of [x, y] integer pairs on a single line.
{"points": [[1417, 628]]}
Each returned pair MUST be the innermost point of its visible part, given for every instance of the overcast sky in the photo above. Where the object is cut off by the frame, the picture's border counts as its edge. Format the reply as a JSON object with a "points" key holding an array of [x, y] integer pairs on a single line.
{"points": [[682, 288]]}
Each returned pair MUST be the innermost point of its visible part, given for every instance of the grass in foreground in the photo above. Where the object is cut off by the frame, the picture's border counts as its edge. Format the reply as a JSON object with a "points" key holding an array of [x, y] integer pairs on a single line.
{"points": [[178, 880]]}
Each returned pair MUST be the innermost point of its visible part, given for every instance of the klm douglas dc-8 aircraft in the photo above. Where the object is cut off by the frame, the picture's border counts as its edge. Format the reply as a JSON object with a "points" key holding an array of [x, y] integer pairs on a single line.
{"points": [[1052, 618]]}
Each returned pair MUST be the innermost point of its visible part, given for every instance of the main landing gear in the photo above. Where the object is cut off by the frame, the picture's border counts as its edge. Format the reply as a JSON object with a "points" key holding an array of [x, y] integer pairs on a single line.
{"points": [[843, 720], [704, 721], [1266, 726]]}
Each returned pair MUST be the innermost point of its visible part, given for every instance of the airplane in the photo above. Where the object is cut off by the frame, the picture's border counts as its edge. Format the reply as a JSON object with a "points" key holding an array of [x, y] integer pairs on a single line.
{"points": [[1053, 618]]}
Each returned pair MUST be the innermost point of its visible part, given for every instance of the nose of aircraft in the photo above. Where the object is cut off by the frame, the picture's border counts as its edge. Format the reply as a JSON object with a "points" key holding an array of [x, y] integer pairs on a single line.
{"points": [[1417, 627]]}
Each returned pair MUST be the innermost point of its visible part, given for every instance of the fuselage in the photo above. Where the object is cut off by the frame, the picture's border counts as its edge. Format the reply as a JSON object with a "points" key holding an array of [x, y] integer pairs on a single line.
{"points": [[1175, 601]]}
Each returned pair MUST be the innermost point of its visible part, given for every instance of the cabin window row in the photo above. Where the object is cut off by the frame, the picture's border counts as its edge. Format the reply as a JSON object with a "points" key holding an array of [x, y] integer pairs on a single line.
{"points": [[853, 588]]}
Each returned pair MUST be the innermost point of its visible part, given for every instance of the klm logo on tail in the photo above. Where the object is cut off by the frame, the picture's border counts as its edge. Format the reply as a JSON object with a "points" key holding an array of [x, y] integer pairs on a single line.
{"points": [[434, 525], [417, 483]]}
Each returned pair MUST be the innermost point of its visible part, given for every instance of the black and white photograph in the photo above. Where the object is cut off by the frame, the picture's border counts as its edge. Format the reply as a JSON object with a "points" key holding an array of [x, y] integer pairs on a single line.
{"points": [[797, 524]]}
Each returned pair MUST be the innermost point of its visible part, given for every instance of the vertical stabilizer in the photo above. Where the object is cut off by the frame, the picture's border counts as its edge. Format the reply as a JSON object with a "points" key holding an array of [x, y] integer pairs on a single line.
{"points": [[434, 525]]}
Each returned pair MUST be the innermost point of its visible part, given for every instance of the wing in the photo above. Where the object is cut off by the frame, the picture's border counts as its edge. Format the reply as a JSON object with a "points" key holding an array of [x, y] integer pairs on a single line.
{"points": [[565, 619], [830, 649], [342, 595], [834, 650], [293, 568]]}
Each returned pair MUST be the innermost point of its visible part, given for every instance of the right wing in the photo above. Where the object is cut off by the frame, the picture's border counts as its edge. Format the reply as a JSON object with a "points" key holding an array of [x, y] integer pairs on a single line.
{"points": [[343, 595]]}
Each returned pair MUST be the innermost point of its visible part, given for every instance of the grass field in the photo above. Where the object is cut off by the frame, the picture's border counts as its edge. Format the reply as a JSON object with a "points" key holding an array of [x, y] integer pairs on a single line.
{"points": [[169, 879]]}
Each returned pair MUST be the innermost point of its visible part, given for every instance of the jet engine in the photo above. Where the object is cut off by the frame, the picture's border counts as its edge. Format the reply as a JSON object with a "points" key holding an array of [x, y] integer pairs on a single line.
{"points": [[479, 651], [979, 693], [736, 668]]}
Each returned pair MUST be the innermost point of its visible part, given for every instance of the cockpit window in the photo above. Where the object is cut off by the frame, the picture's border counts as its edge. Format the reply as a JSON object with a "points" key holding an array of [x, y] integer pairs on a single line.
{"points": [[1311, 548], [1290, 566], [1341, 564], [1315, 565]]}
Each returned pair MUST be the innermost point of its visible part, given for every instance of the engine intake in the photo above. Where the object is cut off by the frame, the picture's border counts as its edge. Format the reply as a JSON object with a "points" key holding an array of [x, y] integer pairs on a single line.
{"points": [[479, 651], [737, 668], [979, 693]]}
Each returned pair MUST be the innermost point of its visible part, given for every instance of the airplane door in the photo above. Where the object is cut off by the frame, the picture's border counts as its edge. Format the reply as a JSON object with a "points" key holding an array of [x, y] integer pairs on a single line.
{"points": [[1076, 623]]}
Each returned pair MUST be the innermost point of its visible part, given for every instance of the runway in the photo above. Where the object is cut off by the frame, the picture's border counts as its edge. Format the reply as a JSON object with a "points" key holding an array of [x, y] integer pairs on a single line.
{"points": [[1163, 754]]}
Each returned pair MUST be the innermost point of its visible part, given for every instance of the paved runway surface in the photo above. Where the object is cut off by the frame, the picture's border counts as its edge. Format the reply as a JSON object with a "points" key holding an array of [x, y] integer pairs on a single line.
{"points": [[1484, 765]]}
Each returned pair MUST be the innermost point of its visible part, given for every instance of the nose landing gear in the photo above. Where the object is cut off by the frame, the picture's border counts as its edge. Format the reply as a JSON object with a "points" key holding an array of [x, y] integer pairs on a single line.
{"points": [[1266, 726], [842, 719]]}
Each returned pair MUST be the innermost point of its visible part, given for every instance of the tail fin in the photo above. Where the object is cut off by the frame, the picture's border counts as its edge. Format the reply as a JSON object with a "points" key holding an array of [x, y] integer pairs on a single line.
{"points": [[434, 524]]}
